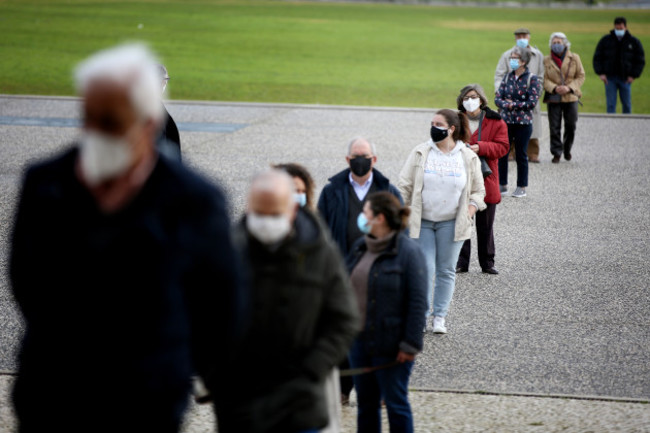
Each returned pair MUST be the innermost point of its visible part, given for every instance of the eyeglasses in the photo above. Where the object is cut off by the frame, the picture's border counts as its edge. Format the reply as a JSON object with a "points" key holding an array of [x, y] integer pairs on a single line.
{"points": [[468, 97]]}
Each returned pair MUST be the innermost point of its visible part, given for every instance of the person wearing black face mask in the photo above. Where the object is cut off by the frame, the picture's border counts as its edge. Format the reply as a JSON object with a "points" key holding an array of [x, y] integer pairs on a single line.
{"points": [[342, 200]]}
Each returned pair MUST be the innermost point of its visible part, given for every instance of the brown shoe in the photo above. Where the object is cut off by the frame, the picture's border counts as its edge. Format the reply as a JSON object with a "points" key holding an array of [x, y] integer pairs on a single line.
{"points": [[567, 156], [533, 159], [556, 159]]}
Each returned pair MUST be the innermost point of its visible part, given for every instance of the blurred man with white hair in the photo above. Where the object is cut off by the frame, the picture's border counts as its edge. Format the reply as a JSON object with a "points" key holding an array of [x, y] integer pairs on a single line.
{"points": [[121, 264]]}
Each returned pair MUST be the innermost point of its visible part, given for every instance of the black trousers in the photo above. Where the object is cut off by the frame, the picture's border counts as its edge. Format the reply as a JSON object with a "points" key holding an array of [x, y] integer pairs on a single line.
{"points": [[485, 240], [568, 110], [346, 383]]}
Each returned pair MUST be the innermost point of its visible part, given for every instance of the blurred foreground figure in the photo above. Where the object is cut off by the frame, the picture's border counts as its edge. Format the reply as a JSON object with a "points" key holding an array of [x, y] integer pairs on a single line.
{"points": [[303, 317], [122, 266]]}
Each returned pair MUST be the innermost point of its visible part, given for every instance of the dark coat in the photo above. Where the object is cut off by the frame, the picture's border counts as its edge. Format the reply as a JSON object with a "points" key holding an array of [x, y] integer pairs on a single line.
{"points": [[302, 321], [120, 309], [169, 141], [493, 145], [397, 297], [333, 203], [614, 58]]}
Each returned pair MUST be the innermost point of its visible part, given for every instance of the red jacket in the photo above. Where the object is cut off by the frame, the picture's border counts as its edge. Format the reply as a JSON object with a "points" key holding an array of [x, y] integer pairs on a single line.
{"points": [[493, 145]]}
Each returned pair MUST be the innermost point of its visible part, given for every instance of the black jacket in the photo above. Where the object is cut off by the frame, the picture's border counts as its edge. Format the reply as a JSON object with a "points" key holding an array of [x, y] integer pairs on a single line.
{"points": [[169, 141], [333, 203], [302, 321], [119, 305], [614, 58], [397, 297]]}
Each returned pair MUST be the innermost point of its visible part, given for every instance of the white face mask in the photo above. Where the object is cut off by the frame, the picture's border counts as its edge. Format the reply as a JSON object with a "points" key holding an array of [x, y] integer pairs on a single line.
{"points": [[471, 104], [268, 229], [103, 157]]}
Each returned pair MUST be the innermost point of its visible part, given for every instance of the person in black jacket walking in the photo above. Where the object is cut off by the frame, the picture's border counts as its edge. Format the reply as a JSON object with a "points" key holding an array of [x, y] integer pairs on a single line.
{"points": [[619, 60], [168, 140], [389, 277], [302, 317], [122, 266], [342, 200]]}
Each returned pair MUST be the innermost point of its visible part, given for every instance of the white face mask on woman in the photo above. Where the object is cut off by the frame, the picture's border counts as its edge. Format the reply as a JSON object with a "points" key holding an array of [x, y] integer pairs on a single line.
{"points": [[268, 229], [471, 104], [102, 156]]}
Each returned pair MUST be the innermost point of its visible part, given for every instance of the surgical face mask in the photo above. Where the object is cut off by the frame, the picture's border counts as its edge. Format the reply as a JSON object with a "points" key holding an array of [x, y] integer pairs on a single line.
{"points": [[514, 64], [360, 165], [268, 229], [619, 33], [522, 43], [103, 157], [300, 198], [438, 134], [471, 104], [364, 225], [557, 48]]}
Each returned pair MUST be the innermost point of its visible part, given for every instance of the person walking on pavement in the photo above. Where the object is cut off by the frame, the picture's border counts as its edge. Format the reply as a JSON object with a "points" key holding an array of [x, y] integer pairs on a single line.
{"points": [[342, 200], [489, 140], [536, 67], [618, 61], [122, 266], [303, 318], [387, 270], [562, 81], [517, 98], [442, 183], [168, 140]]}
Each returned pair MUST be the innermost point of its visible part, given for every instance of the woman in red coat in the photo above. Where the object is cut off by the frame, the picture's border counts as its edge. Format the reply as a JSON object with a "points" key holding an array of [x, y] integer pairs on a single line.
{"points": [[490, 141]]}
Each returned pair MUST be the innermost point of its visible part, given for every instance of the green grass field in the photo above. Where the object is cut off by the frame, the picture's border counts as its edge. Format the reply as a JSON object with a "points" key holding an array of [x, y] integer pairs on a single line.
{"points": [[316, 53]]}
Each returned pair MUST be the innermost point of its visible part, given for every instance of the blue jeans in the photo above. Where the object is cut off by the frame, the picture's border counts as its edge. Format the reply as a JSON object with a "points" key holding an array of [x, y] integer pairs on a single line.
{"points": [[519, 136], [441, 254], [389, 383], [614, 85]]}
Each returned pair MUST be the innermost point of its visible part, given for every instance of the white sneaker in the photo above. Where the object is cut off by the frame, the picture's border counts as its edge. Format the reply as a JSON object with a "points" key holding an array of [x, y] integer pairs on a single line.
{"points": [[439, 325]]}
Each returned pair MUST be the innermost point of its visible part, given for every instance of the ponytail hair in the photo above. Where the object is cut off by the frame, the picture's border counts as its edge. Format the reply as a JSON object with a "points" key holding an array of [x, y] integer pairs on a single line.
{"points": [[388, 205], [459, 120]]}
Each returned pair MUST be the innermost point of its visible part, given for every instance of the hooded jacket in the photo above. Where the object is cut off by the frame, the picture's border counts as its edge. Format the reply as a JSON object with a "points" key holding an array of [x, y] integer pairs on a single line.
{"points": [[572, 72], [411, 182], [303, 318], [614, 58]]}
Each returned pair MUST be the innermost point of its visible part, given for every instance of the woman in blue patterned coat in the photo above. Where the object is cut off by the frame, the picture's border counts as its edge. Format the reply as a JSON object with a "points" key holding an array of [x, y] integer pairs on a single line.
{"points": [[516, 98]]}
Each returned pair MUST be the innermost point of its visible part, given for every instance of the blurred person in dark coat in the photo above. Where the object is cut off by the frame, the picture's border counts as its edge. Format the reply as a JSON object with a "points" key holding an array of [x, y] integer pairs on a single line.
{"points": [[122, 266], [302, 316], [168, 140]]}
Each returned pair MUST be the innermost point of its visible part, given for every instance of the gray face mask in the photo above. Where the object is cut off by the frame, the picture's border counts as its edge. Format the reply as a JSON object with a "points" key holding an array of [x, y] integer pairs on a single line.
{"points": [[557, 48]]}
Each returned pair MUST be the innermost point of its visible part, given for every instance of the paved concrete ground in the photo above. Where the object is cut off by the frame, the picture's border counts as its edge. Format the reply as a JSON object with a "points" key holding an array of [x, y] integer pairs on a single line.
{"points": [[568, 315]]}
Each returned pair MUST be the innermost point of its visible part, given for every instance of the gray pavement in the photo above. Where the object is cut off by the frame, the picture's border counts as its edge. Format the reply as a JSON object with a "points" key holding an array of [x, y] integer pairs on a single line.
{"points": [[567, 316]]}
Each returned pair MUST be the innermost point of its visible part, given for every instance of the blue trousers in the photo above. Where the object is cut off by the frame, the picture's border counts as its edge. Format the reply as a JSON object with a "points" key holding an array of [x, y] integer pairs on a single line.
{"points": [[519, 136], [618, 85], [389, 383]]}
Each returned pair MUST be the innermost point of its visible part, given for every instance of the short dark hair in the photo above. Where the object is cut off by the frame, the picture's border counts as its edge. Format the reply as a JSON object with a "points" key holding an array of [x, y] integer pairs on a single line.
{"points": [[388, 205], [620, 20], [297, 170]]}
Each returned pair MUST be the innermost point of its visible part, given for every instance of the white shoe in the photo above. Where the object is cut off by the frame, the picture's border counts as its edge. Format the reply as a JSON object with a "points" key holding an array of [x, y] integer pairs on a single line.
{"points": [[439, 325]]}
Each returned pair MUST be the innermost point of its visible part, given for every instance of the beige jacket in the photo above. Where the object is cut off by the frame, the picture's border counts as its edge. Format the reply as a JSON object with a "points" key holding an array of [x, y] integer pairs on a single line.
{"points": [[572, 71], [411, 182]]}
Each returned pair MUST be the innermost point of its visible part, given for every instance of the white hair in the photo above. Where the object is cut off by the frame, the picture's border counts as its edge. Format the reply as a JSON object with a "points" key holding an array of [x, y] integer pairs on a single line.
{"points": [[355, 139], [560, 35], [132, 66]]}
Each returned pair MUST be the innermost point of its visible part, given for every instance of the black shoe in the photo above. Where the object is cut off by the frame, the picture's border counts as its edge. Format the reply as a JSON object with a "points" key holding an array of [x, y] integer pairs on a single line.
{"points": [[491, 271], [556, 159], [567, 156], [461, 270]]}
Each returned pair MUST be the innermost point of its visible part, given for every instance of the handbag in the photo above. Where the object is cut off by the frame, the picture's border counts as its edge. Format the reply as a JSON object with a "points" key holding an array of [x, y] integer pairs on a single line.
{"points": [[485, 168], [554, 98]]}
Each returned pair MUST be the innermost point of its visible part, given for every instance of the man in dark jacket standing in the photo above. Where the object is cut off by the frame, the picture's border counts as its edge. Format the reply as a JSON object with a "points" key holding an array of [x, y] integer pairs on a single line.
{"points": [[341, 202], [619, 60], [302, 317], [122, 266]]}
